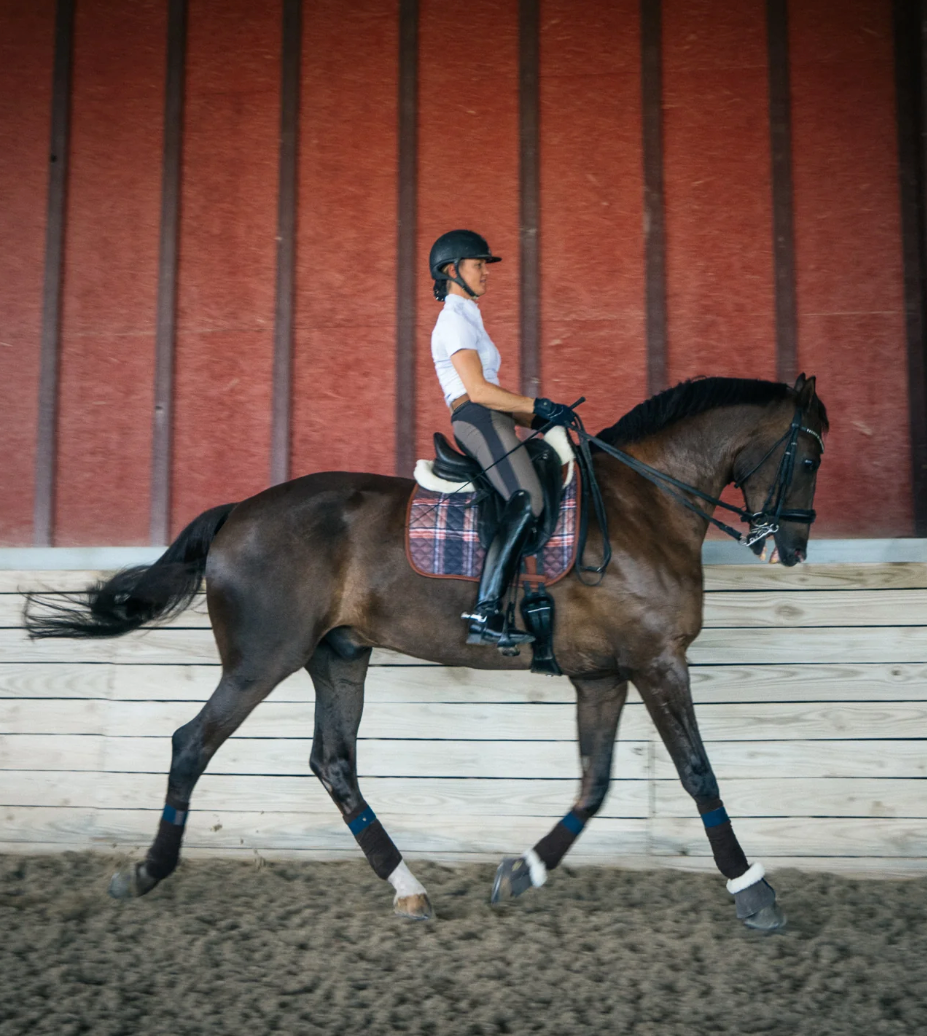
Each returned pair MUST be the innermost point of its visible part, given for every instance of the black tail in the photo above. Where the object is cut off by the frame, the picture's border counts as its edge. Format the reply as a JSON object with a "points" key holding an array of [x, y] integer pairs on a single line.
{"points": [[135, 595]]}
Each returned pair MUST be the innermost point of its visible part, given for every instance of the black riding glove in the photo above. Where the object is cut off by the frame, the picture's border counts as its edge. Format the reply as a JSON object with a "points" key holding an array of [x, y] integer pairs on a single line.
{"points": [[547, 412]]}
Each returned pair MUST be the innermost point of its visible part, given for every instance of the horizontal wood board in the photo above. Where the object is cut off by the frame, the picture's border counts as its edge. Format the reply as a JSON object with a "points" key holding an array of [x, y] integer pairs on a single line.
{"points": [[811, 694]]}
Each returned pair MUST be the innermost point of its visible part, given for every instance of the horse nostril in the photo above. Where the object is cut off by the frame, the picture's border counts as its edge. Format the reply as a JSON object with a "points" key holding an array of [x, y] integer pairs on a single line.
{"points": [[800, 555]]}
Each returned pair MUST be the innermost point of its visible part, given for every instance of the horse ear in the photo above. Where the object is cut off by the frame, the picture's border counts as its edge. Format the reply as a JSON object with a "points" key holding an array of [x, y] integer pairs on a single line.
{"points": [[805, 391], [800, 382]]}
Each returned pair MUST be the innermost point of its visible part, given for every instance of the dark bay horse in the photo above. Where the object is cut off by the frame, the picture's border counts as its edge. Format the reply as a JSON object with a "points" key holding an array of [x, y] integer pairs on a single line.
{"points": [[313, 574]]}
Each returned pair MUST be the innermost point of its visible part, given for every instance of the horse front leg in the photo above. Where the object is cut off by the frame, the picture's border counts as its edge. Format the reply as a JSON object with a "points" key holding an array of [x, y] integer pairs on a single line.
{"points": [[599, 702], [664, 688]]}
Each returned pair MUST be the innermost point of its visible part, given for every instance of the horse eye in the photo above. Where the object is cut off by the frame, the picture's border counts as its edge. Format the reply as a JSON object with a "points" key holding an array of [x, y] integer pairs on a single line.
{"points": [[809, 464]]}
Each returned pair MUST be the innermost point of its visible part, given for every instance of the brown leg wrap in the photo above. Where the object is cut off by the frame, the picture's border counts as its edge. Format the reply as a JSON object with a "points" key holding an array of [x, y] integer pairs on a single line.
{"points": [[165, 850], [728, 855], [371, 836], [553, 847]]}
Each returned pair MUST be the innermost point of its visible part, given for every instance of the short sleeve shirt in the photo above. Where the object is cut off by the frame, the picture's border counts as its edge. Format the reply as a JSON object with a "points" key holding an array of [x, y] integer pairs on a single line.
{"points": [[460, 326]]}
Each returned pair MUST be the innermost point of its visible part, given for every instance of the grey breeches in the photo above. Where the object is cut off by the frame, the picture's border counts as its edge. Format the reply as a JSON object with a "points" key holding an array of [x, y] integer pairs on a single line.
{"points": [[489, 435]]}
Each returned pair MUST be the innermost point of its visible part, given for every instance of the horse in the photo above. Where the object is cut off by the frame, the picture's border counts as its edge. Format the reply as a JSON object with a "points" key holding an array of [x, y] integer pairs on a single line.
{"points": [[312, 573]]}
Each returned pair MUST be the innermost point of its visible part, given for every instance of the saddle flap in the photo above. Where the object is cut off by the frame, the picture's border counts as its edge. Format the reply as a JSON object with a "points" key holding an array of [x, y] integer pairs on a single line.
{"points": [[452, 465]]}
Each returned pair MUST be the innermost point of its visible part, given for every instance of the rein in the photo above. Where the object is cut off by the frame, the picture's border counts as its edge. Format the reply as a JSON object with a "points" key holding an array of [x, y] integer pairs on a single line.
{"points": [[763, 523]]}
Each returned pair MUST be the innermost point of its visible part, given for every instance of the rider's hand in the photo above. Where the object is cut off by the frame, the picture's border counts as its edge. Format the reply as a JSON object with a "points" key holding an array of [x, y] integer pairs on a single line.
{"points": [[549, 412]]}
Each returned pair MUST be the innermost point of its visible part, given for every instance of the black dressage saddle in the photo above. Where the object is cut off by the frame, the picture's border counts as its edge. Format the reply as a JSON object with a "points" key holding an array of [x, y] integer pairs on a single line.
{"points": [[460, 468]]}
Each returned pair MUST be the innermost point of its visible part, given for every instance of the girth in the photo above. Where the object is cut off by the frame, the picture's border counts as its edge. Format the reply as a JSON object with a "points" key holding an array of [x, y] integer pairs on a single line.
{"points": [[461, 468]]}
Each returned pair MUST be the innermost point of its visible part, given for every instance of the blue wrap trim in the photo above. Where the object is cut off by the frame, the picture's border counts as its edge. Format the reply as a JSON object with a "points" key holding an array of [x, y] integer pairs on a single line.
{"points": [[178, 817], [715, 818], [573, 824], [358, 824]]}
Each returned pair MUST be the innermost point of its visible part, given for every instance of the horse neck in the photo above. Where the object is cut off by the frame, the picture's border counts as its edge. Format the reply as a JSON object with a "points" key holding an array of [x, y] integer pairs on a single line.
{"points": [[701, 450]]}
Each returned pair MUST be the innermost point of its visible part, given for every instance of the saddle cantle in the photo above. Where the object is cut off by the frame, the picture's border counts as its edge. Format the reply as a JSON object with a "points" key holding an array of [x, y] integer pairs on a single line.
{"points": [[461, 469]]}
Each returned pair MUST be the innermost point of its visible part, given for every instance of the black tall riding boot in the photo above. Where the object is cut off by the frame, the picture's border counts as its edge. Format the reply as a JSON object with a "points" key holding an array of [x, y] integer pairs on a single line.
{"points": [[487, 620]]}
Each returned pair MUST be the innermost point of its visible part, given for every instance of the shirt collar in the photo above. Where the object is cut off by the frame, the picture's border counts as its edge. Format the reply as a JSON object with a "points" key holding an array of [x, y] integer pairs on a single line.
{"points": [[459, 300]]}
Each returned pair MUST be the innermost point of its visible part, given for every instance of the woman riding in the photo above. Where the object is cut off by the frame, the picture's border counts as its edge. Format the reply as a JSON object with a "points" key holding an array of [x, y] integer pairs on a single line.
{"points": [[483, 416]]}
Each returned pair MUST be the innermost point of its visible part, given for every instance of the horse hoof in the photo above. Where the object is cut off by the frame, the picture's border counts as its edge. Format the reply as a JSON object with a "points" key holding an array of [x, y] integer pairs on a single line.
{"points": [[131, 882], [512, 879], [414, 908], [768, 919]]}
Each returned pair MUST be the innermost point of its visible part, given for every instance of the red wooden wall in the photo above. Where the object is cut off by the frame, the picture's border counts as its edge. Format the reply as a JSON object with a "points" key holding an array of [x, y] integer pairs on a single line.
{"points": [[110, 273], [593, 340], [847, 232], [26, 49], [720, 289], [227, 255], [344, 359]]}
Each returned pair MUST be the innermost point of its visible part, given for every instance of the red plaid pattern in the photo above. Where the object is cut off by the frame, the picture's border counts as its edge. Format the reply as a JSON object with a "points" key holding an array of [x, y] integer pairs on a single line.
{"points": [[442, 537]]}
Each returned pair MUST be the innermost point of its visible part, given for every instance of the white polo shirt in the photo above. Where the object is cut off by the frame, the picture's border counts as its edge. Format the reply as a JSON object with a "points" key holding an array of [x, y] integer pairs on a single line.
{"points": [[460, 326]]}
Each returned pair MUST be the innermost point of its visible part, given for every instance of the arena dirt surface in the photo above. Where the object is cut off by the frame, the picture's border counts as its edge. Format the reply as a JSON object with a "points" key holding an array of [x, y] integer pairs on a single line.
{"points": [[233, 948]]}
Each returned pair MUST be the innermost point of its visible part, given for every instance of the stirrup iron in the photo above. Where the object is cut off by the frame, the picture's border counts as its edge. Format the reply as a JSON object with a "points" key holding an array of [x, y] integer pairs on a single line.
{"points": [[483, 630]]}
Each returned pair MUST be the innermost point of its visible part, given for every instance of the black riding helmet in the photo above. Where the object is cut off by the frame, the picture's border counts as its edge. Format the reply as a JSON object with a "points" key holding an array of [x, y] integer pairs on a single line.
{"points": [[451, 248]]}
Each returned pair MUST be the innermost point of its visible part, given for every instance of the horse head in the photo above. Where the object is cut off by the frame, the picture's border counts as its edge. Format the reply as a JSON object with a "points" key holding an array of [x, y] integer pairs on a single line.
{"points": [[781, 474]]}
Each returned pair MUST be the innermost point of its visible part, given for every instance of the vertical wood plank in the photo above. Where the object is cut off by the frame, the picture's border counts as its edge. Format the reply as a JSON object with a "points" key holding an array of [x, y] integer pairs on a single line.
{"points": [[780, 139], [45, 454], [407, 228], [654, 218], [165, 326], [529, 195], [286, 242]]}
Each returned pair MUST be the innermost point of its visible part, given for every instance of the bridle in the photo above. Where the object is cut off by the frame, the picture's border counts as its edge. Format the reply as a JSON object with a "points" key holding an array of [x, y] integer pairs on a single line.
{"points": [[762, 523], [772, 510]]}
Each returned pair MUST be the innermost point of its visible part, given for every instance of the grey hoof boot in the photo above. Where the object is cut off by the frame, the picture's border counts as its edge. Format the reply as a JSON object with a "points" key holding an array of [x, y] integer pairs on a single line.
{"points": [[131, 882], [756, 907], [512, 879], [767, 919]]}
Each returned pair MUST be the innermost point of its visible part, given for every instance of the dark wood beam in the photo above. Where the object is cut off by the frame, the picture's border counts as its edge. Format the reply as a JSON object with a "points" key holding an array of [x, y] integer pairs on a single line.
{"points": [[910, 32], [286, 242], [654, 213], [917, 349], [407, 229], [529, 193], [780, 139], [166, 312], [47, 430]]}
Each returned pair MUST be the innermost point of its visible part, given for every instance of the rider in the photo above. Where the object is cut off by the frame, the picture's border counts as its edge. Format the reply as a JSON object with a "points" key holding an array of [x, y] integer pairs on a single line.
{"points": [[483, 416]]}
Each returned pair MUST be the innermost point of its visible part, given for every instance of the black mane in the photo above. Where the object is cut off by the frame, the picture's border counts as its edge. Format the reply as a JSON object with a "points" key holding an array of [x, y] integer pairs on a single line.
{"points": [[689, 398]]}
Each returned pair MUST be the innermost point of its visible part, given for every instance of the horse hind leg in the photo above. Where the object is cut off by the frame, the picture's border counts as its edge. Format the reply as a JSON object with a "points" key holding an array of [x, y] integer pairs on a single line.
{"points": [[338, 675], [193, 745], [664, 688]]}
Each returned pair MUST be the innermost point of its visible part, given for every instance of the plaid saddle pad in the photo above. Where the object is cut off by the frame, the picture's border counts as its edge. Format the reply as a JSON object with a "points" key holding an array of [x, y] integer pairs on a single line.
{"points": [[442, 539]]}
